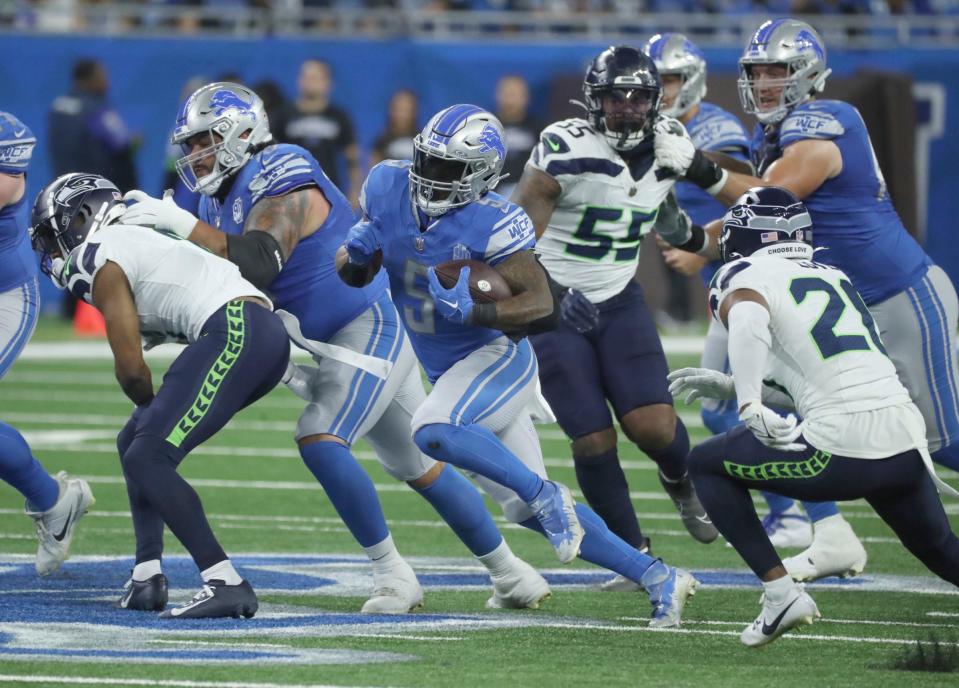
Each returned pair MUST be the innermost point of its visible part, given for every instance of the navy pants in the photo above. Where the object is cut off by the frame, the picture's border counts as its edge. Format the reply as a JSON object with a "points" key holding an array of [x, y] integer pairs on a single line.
{"points": [[240, 356], [899, 488]]}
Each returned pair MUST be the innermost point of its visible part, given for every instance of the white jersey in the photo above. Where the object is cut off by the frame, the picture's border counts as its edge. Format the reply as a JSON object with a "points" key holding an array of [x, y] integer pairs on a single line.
{"points": [[592, 241], [176, 284], [827, 356]]}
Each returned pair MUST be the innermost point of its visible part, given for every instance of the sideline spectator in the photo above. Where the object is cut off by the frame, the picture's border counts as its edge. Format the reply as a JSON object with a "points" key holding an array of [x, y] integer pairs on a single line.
{"points": [[522, 131], [396, 141]]}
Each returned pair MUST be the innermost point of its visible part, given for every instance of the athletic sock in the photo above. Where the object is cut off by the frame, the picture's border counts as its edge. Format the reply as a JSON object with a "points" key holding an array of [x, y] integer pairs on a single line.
{"points": [[349, 489], [223, 571], [500, 560], [948, 456], [778, 591], [605, 489], [817, 511], [459, 503], [146, 570], [671, 459], [383, 555], [20, 469]]}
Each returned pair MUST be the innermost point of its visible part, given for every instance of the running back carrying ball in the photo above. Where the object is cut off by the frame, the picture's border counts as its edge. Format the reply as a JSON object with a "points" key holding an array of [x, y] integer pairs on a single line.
{"points": [[486, 285]]}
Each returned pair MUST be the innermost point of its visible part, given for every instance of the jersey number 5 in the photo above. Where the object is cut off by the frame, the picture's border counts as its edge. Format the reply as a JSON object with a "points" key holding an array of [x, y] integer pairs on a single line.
{"points": [[823, 332]]}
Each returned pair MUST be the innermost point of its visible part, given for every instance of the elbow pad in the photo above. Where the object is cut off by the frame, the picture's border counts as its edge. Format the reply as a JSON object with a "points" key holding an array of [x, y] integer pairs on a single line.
{"points": [[257, 254]]}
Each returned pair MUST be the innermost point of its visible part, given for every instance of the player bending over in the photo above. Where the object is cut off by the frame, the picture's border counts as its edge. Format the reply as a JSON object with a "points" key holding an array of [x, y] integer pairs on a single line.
{"points": [[800, 335]]}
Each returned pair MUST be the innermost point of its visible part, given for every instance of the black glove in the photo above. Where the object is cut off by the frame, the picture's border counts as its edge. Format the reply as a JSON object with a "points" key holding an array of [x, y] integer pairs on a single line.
{"points": [[579, 312]]}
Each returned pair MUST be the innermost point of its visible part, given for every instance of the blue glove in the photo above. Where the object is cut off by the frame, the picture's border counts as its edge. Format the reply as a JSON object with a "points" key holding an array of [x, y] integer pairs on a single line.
{"points": [[579, 312], [362, 241], [454, 304]]}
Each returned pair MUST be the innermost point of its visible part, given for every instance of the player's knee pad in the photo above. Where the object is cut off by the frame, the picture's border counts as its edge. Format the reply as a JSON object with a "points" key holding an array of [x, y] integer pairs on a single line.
{"points": [[125, 437], [145, 450], [405, 463], [594, 444], [432, 439]]}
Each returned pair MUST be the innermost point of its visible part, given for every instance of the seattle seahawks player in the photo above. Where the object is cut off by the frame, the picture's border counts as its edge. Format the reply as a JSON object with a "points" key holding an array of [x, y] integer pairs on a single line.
{"points": [[161, 287], [800, 335], [592, 189], [270, 209], [56, 503], [476, 417], [682, 68], [820, 150]]}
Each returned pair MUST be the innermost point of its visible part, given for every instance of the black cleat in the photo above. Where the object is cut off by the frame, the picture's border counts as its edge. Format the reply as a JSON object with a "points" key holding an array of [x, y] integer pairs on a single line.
{"points": [[690, 510], [217, 600], [145, 596]]}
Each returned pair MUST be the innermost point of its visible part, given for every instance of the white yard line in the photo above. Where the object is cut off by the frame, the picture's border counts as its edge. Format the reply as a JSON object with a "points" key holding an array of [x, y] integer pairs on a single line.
{"points": [[853, 622], [103, 681]]}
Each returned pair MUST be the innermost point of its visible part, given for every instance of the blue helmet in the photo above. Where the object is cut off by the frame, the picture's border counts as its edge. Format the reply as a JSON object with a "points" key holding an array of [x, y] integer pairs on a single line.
{"points": [[763, 217], [16, 144]]}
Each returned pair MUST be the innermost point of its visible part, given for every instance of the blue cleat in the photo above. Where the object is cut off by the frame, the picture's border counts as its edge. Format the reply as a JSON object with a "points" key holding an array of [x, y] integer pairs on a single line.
{"points": [[668, 590], [555, 510]]}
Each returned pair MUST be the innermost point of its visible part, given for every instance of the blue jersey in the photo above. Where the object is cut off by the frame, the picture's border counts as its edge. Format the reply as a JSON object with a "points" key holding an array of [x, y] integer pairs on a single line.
{"points": [[852, 214], [489, 230], [712, 129], [307, 286], [17, 261]]}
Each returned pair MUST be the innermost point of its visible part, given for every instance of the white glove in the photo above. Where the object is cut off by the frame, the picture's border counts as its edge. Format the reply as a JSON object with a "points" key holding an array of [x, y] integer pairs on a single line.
{"points": [[700, 383], [56, 272], [673, 148], [299, 379], [161, 215], [772, 429]]}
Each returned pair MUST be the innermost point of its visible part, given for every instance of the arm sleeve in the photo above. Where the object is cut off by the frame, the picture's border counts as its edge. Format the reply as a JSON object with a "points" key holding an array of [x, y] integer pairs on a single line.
{"points": [[749, 342]]}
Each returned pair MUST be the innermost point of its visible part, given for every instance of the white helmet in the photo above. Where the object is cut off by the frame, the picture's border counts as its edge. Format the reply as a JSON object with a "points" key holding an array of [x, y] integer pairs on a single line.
{"points": [[674, 54], [788, 42], [457, 159], [236, 121]]}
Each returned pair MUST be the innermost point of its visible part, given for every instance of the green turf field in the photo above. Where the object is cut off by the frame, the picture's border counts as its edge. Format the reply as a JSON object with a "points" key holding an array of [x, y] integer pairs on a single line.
{"points": [[272, 516]]}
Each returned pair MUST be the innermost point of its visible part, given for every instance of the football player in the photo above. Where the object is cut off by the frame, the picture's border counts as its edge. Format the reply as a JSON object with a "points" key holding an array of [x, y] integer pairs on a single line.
{"points": [[682, 68], [160, 287], [476, 417], [56, 503], [800, 335], [271, 210], [820, 150], [592, 188]]}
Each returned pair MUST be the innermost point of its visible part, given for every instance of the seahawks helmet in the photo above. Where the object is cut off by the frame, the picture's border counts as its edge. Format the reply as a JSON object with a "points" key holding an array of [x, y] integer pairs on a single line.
{"points": [[630, 83], [674, 54], [234, 118], [766, 220], [798, 47], [68, 210], [457, 159]]}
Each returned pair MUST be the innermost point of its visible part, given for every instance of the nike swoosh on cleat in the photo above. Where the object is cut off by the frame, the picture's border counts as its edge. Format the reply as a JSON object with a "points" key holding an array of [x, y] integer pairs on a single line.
{"points": [[59, 536], [705, 520], [769, 629]]}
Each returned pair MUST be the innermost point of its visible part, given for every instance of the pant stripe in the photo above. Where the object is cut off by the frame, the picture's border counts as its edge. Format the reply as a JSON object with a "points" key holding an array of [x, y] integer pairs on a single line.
{"points": [[476, 387], [944, 367], [30, 295], [521, 382], [374, 340], [206, 397], [927, 358]]}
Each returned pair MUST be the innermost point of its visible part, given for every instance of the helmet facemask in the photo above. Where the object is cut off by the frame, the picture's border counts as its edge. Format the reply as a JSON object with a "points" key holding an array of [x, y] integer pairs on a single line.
{"points": [[623, 114]]}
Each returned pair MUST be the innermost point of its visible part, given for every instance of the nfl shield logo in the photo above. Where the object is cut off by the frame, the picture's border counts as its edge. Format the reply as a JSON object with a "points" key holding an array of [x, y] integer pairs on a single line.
{"points": [[418, 243], [461, 252]]}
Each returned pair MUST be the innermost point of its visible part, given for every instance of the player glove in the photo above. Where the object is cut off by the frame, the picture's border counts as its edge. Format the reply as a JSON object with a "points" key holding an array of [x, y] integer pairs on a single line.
{"points": [[454, 304], [362, 241], [162, 215], [578, 312], [674, 151], [772, 429], [699, 383]]}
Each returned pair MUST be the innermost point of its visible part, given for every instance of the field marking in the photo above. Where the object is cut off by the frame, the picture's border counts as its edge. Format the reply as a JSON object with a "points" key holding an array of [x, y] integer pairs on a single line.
{"points": [[949, 615], [850, 622], [102, 681]]}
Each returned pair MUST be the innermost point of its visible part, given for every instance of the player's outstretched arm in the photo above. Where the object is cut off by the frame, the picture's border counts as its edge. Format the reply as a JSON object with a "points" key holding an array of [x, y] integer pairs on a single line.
{"points": [[532, 299], [537, 194], [112, 295]]}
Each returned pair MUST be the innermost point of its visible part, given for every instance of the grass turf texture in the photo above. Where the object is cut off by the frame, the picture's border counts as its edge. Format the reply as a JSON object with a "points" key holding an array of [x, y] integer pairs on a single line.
{"points": [[71, 411]]}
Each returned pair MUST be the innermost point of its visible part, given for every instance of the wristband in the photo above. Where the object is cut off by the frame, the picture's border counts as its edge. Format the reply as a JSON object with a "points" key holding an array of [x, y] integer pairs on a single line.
{"points": [[482, 315]]}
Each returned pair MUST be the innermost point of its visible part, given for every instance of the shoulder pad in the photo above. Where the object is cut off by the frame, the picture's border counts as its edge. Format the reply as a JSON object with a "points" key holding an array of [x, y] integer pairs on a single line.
{"points": [[283, 168], [510, 233], [815, 120], [573, 147], [382, 179], [721, 282], [16, 144], [717, 130]]}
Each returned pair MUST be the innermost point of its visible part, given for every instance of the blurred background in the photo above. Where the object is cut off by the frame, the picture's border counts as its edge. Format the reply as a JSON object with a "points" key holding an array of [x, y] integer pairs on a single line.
{"points": [[353, 80]]}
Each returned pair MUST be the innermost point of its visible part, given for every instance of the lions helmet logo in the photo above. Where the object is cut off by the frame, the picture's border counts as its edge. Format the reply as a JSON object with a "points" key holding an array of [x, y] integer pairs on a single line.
{"points": [[490, 139], [224, 100]]}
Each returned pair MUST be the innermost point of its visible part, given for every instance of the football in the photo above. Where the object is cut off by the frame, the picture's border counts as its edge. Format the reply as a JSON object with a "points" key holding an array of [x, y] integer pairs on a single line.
{"points": [[486, 285]]}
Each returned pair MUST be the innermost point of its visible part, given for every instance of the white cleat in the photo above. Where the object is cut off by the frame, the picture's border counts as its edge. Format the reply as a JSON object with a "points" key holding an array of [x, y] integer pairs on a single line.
{"points": [[395, 591], [519, 588], [835, 551], [797, 610], [57, 525], [791, 528]]}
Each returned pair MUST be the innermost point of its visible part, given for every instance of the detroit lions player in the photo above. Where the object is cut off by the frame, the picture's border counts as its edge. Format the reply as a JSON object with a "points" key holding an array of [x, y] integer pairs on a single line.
{"points": [[592, 189], [270, 209], [55, 503], [820, 150], [800, 335], [161, 287], [682, 68], [476, 416]]}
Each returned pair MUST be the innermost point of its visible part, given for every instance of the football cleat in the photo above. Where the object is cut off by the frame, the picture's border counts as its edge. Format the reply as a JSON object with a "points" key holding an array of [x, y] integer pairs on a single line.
{"points": [[555, 510], [835, 551], [57, 525], [150, 595], [519, 588], [620, 583], [668, 591], [796, 610], [395, 591], [216, 600], [692, 513], [790, 528]]}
